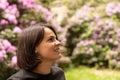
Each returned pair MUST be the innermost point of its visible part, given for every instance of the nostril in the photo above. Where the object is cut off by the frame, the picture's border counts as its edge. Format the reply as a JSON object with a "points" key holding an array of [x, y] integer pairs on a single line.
{"points": [[58, 44]]}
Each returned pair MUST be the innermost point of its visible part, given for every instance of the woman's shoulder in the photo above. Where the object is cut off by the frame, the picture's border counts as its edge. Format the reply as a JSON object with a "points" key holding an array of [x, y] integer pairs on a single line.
{"points": [[17, 75], [23, 75], [57, 70], [57, 73]]}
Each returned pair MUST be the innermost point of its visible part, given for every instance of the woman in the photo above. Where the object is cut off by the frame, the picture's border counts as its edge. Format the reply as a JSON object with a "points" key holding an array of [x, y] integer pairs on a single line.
{"points": [[38, 49]]}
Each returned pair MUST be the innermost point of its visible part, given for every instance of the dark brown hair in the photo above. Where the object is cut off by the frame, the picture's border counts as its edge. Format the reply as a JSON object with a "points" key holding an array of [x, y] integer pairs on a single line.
{"points": [[30, 38]]}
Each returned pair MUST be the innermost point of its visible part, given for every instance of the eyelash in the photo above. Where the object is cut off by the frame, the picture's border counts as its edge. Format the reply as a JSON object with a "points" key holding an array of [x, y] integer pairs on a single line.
{"points": [[51, 39]]}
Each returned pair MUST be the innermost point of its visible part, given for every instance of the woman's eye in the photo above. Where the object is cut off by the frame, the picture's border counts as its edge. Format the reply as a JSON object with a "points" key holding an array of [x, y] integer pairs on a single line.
{"points": [[51, 39]]}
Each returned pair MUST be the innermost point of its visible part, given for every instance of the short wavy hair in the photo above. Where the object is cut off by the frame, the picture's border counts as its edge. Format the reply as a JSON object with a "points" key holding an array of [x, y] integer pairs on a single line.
{"points": [[28, 40]]}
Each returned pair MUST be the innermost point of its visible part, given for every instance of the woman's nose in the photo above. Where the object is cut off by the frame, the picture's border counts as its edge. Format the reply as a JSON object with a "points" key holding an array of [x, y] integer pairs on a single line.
{"points": [[57, 43]]}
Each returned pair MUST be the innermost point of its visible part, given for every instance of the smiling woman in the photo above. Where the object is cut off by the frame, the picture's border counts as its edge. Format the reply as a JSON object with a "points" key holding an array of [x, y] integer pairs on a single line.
{"points": [[38, 49]]}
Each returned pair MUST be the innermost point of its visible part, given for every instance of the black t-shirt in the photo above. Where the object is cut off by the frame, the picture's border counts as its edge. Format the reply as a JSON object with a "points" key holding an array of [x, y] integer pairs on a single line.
{"points": [[56, 74]]}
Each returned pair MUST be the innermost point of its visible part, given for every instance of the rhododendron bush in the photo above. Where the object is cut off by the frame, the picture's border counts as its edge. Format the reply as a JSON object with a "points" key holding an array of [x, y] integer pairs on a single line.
{"points": [[98, 45]]}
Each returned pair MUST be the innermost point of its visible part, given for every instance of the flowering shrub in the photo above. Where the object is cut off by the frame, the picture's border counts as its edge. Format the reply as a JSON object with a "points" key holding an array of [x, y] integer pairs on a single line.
{"points": [[101, 47], [78, 25]]}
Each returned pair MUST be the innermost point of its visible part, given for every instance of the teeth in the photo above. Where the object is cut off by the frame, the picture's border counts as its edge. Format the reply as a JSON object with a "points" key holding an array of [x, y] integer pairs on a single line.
{"points": [[57, 50]]}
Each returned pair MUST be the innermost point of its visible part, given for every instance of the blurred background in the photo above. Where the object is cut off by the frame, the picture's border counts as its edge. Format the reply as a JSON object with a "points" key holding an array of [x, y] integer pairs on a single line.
{"points": [[88, 29]]}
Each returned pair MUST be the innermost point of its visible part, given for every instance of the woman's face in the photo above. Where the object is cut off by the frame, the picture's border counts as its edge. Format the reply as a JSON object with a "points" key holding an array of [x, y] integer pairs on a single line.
{"points": [[49, 49]]}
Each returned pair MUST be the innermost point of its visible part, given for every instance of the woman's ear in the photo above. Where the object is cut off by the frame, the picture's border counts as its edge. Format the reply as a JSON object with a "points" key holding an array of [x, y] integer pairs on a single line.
{"points": [[36, 50]]}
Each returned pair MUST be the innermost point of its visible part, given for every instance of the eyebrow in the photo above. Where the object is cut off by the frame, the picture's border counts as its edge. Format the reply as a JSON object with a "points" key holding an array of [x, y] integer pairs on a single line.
{"points": [[52, 37]]}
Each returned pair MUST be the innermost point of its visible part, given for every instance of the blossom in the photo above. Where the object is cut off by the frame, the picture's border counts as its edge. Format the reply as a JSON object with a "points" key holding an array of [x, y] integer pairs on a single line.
{"points": [[27, 3], [6, 43], [12, 9], [33, 22], [11, 13], [110, 40], [109, 9], [3, 4], [8, 46], [100, 46], [3, 22], [79, 18], [14, 60], [112, 8], [11, 18], [63, 39], [76, 52], [11, 49], [113, 52], [58, 28], [3, 52], [17, 30]]}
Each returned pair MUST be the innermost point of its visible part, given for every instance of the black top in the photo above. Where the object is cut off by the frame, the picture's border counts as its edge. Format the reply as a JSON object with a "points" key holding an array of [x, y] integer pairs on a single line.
{"points": [[56, 74]]}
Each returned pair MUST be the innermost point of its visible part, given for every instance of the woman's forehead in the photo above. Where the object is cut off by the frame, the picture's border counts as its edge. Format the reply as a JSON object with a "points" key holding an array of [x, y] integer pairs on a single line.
{"points": [[48, 32]]}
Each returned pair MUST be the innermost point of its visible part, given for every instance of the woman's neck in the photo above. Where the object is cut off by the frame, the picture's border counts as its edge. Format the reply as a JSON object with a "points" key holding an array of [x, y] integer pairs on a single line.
{"points": [[43, 68]]}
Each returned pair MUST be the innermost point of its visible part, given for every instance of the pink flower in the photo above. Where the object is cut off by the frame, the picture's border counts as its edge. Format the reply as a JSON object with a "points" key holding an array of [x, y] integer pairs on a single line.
{"points": [[99, 22], [33, 22], [3, 52], [58, 28], [63, 40], [11, 49], [97, 17], [27, 3], [17, 30], [12, 9], [3, 4], [100, 46], [6, 43], [11, 18], [3, 22], [110, 9], [11, 13], [110, 40], [14, 61]]}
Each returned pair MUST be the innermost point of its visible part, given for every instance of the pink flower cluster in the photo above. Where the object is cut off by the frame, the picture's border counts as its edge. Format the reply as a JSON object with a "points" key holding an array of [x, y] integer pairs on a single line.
{"points": [[112, 8], [3, 22], [27, 3], [3, 4], [11, 13], [31, 4], [106, 34], [17, 30], [84, 46], [82, 14], [47, 15], [98, 19], [6, 47]]}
